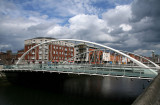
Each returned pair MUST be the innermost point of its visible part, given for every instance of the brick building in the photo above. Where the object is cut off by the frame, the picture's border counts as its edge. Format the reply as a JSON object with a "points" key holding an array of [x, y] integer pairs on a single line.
{"points": [[95, 57], [20, 53], [57, 51], [8, 57]]}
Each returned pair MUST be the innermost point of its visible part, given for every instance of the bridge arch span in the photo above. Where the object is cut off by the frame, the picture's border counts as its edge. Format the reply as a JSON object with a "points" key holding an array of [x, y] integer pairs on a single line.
{"points": [[112, 49]]}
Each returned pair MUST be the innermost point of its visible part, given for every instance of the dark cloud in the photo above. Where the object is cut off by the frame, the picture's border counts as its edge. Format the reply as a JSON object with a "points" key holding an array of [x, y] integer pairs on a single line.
{"points": [[145, 8], [145, 20]]}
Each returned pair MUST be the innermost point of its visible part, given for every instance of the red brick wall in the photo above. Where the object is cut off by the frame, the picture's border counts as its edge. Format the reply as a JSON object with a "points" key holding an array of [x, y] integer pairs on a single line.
{"points": [[60, 52], [96, 54]]}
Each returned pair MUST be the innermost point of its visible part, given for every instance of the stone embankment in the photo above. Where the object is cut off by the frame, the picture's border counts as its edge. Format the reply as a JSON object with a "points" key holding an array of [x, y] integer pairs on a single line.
{"points": [[151, 95]]}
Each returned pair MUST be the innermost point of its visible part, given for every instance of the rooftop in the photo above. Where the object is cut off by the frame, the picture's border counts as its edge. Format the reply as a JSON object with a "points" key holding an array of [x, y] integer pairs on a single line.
{"points": [[42, 38], [83, 44]]}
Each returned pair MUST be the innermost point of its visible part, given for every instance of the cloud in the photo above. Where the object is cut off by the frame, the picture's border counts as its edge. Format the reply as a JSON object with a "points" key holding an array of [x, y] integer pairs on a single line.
{"points": [[145, 21], [143, 52], [150, 9], [83, 26], [61, 8], [125, 27], [118, 15], [3, 47]]}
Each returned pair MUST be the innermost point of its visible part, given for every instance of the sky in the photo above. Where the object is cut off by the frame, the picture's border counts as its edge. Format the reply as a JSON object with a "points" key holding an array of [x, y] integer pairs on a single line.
{"points": [[130, 25]]}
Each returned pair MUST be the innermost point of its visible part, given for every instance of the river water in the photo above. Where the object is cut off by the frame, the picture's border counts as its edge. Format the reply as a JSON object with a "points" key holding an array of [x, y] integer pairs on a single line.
{"points": [[79, 90]]}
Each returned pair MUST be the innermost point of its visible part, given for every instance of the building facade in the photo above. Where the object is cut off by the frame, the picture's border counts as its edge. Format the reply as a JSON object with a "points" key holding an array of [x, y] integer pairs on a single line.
{"points": [[20, 53], [57, 51], [87, 54], [8, 58]]}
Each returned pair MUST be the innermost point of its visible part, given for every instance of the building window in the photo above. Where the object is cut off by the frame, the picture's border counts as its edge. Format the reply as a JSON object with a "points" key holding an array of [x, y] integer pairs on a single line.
{"points": [[40, 57], [56, 47], [59, 47], [45, 57]]}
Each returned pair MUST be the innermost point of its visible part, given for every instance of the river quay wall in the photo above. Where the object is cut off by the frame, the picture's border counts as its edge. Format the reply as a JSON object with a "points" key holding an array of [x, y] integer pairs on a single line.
{"points": [[151, 95]]}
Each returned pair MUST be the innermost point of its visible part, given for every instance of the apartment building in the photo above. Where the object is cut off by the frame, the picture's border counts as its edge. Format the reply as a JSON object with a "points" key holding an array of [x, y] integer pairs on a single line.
{"points": [[20, 53], [57, 51], [87, 54]]}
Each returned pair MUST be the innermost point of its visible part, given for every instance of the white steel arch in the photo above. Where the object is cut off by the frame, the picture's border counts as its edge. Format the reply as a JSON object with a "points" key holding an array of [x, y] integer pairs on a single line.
{"points": [[112, 49]]}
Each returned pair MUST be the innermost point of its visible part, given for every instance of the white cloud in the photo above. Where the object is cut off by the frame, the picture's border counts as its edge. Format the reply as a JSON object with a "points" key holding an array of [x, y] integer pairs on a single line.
{"points": [[125, 27], [55, 30], [143, 52], [118, 15], [68, 7], [88, 27], [91, 27], [4, 46], [82, 21]]}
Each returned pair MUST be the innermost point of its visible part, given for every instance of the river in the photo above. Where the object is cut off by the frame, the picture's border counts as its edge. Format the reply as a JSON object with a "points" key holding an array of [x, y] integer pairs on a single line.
{"points": [[78, 90]]}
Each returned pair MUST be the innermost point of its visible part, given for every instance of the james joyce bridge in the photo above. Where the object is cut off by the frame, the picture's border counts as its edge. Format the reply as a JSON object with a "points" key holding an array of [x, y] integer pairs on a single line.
{"points": [[133, 69]]}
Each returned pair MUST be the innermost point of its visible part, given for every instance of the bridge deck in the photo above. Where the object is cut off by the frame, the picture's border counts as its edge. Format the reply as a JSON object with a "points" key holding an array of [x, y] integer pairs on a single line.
{"points": [[117, 71]]}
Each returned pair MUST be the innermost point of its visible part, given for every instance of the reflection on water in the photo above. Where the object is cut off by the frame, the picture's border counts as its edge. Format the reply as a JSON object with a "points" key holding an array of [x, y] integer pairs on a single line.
{"points": [[79, 90]]}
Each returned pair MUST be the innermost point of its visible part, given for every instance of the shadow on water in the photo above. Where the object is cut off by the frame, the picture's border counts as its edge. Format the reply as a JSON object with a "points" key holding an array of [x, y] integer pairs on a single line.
{"points": [[70, 90]]}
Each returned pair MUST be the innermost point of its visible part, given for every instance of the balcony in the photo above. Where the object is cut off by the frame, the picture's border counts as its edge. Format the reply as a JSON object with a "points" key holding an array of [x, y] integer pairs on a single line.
{"points": [[46, 47], [40, 52]]}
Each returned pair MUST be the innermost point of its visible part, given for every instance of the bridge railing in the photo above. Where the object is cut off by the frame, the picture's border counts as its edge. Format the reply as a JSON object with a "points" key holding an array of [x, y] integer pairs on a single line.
{"points": [[88, 69]]}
